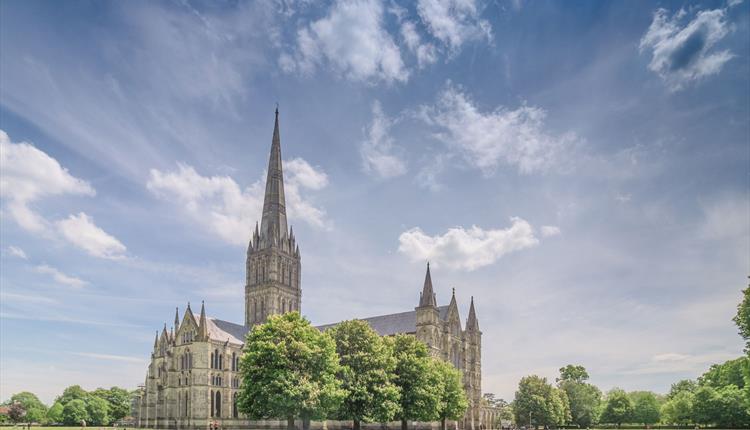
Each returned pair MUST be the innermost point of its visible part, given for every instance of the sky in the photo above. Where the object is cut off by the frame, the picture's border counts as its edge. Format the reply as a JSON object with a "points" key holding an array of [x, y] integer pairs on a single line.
{"points": [[579, 168]]}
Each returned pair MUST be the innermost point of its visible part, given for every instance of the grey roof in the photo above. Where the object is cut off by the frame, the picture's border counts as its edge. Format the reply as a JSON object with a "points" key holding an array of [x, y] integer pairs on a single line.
{"points": [[230, 331], [387, 325]]}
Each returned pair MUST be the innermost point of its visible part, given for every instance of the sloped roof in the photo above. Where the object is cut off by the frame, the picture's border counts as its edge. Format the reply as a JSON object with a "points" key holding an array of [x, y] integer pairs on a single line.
{"points": [[384, 325], [387, 325], [226, 331]]}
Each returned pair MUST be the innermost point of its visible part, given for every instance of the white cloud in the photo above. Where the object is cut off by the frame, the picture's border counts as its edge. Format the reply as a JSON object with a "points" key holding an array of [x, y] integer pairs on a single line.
{"points": [[454, 22], [377, 150], [17, 252], [426, 52], [683, 53], [352, 40], [301, 173], [29, 175], [467, 249], [550, 230], [231, 212], [514, 137], [61, 277], [81, 231]]}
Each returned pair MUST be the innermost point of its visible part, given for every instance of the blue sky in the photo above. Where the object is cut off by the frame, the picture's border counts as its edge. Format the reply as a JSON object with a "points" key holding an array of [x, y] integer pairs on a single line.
{"points": [[580, 168]]}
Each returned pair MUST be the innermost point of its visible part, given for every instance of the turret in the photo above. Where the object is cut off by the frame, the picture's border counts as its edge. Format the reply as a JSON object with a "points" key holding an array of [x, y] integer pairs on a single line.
{"points": [[428, 317], [203, 324], [472, 323]]}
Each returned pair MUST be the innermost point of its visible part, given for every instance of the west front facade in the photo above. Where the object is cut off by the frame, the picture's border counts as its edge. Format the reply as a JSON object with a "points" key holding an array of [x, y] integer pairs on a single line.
{"points": [[193, 378]]}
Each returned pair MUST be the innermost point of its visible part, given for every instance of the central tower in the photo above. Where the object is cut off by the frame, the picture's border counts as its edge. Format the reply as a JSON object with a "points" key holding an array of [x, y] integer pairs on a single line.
{"points": [[272, 284]]}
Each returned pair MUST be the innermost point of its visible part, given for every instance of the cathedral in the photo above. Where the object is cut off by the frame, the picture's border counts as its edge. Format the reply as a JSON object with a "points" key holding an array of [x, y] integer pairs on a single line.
{"points": [[193, 377]]}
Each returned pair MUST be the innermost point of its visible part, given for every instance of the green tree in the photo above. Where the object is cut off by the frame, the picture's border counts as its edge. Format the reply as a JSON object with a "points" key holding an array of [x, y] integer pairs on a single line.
{"points": [[289, 370], [679, 408], [366, 374], [416, 379], [618, 408], [742, 319], [118, 400], [728, 373], [74, 412], [538, 402], [732, 407], [36, 411], [55, 413], [584, 398], [574, 373], [453, 402], [706, 407], [74, 392], [98, 410], [680, 386], [646, 409]]}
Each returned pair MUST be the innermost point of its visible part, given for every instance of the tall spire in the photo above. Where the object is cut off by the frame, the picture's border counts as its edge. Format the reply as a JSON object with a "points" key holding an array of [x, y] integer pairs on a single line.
{"points": [[472, 322], [427, 297], [273, 223]]}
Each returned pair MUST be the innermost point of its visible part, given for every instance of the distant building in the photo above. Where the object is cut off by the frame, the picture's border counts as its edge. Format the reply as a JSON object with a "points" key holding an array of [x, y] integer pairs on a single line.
{"points": [[193, 379]]}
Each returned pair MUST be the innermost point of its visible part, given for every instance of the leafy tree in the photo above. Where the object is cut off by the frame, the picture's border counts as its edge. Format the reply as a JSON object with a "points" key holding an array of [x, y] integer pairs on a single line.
{"points": [[98, 410], [706, 407], [366, 373], [416, 379], [680, 386], [645, 407], [72, 393], [573, 373], [289, 370], [16, 412], [732, 407], [538, 402], [118, 400], [55, 413], [742, 319], [728, 373], [74, 412], [618, 408], [453, 402], [584, 398], [36, 411], [678, 409]]}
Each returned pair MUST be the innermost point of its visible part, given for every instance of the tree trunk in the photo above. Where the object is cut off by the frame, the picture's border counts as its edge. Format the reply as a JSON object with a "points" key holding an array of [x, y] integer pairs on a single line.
{"points": [[290, 423], [357, 424], [404, 425], [305, 423], [442, 424]]}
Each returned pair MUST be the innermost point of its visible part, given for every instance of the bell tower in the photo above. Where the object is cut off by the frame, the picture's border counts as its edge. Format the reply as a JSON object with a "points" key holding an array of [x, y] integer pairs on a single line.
{"points": [[272, 284]]}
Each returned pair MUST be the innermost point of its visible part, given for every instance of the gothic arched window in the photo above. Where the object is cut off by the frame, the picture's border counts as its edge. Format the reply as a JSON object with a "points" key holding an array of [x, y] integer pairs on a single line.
{"points": [[218, 404], [234, 406], [213, 400]]}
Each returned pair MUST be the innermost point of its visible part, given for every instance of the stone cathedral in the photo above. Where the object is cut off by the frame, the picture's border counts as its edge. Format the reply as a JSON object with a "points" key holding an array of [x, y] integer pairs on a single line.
{"points": [[193, 378]]}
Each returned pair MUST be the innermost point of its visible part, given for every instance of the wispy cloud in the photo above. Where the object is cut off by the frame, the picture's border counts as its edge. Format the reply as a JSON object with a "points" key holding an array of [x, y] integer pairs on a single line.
{"points": [[229, 211], [502, 136], [17, 252], [454, 22], [81, 231], [30, 175], [467, 249], [380, 157], [684, 53], [61, 277]]}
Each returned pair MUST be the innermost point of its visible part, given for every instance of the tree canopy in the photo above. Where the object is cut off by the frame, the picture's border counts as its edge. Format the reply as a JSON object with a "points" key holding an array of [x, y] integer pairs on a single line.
{"points": [[289, 370], [366, 374], [574, 373], [618, 408], [584, 398], [416, 379], [538, 402], [453, 402], [646, 408], [742, 319], [74, 412], [34, 410]]}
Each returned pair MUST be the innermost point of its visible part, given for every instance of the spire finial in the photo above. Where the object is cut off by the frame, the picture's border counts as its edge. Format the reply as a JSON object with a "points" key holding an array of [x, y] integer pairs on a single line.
{"points": [[277, 108], [427, 298]]}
